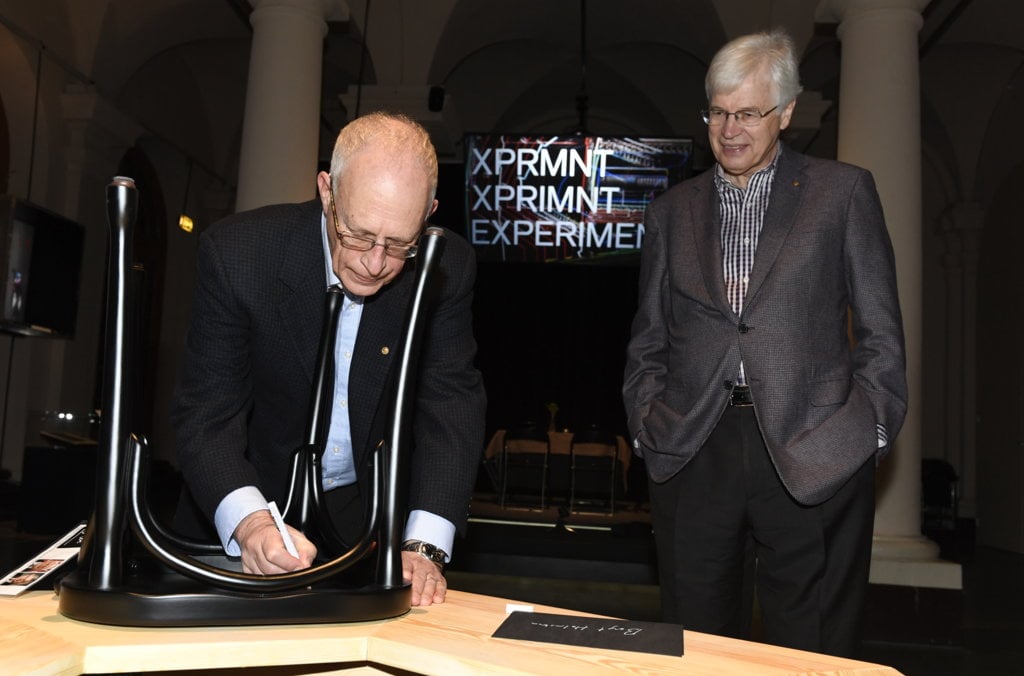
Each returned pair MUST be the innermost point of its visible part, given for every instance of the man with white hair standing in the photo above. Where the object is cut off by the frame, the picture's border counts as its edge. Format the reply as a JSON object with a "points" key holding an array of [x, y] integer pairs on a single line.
{"points": [[765, 375]]}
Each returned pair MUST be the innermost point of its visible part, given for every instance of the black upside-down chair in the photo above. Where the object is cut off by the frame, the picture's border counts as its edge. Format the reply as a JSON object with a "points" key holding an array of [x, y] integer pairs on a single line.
{"points": [[133, 571]]}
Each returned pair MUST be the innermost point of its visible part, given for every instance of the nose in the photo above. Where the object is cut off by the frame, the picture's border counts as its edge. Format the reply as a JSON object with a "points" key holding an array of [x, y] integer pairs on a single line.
{"points": [[731, 126], [375, 260]]}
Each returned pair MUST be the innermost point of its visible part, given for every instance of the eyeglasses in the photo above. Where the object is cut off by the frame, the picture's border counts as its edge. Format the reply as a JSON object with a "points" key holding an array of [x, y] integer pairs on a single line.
{"points": [[748, 117], [355, 242]]}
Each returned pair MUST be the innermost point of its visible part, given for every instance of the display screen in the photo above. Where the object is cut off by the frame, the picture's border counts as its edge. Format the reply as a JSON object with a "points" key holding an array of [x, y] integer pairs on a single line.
{"points": [[41, 263], [17, 280], [547, 199]]}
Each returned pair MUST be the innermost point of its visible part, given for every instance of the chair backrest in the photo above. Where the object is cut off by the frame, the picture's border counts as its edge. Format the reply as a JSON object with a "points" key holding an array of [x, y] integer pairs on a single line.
{"points": [[528, 430], [594, 435], [527, 437], [596, 473], [526, 452]]}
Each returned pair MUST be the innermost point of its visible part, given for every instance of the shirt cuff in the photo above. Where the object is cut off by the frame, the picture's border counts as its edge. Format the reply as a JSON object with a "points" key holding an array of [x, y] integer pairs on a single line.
{"points": [[883, 436], [431, 528], [235, 506]]}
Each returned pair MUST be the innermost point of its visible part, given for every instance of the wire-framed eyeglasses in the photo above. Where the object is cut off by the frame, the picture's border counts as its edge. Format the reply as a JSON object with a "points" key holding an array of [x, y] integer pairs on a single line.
{"points": [[350, 240], [747, 117]]}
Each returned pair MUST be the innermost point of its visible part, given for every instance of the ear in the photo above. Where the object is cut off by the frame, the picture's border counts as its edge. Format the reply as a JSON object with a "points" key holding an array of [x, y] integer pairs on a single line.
{"points": [[323, 189], [786, 114], [433, 208]]}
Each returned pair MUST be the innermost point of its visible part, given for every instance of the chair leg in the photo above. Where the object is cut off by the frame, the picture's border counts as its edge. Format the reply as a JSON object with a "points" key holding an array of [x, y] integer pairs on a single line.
{"points": [[572, 484], [544, 483], [611, 491], [504, 478]]}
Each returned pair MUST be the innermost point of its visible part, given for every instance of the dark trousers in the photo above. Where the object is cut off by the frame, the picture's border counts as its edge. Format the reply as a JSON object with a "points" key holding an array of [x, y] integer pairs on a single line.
{"points": [[726, 520], [347, 507]]}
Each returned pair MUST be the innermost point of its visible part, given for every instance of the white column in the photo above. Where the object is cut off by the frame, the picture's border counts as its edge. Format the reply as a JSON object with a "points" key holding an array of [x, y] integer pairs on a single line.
{"points": [[880, 130], [280, 133]]}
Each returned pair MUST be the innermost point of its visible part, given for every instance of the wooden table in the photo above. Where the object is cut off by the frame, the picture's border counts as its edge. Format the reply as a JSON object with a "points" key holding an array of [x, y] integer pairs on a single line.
{"points": [[453, 638]]}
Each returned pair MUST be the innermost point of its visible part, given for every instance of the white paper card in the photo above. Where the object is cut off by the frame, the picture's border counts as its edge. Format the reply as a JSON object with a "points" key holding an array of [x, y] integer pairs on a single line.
{"points": [[42, 565]]}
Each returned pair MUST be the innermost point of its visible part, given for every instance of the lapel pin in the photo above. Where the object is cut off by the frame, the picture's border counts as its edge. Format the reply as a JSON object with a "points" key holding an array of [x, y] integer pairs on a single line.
{"points": [[796, 184], [385, 350]]}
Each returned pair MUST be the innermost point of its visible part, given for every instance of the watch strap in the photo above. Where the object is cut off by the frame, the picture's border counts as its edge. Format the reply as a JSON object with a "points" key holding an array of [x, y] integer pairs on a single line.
{"points": [[427, 551]]}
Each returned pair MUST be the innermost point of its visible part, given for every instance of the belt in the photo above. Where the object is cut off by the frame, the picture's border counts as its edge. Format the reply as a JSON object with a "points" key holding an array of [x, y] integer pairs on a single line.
{"points": [[741, 396]]}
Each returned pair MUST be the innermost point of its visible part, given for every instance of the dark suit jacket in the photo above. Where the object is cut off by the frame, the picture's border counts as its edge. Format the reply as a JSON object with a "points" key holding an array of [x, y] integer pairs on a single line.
{"points": [[823, 251], [242, 403]]}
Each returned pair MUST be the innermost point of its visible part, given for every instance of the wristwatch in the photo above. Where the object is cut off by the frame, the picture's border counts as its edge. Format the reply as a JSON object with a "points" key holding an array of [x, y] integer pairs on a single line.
{"points": [[427, 551]]}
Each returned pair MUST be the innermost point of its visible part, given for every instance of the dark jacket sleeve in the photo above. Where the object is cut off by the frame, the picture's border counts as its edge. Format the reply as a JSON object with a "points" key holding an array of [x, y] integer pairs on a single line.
{"points": [[237, 413], [449, 420]]}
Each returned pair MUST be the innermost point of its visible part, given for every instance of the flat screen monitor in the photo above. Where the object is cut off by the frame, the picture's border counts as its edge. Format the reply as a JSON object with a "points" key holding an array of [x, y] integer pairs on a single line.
{"points": [[41, 263], [575, 198]]}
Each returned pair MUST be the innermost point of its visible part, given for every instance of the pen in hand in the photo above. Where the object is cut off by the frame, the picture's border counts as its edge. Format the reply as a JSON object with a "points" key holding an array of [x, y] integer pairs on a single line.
{"points": [[288, 543]]}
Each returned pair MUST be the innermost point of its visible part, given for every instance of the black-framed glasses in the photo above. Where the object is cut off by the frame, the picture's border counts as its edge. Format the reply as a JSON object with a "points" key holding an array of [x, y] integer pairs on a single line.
{"points": [[350, 240], [748, 117]]}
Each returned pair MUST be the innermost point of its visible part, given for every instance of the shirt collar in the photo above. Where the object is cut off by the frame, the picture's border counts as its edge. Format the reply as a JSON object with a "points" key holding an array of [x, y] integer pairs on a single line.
{"points": [[768, 171]]}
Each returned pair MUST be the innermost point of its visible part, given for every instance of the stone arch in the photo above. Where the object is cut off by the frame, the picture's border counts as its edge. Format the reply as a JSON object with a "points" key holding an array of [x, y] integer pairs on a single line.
{"points": [[525, 54]]}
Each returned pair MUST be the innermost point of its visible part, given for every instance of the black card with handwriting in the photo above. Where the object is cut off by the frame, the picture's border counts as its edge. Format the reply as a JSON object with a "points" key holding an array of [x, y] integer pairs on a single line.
{"points": [[594, 632]]}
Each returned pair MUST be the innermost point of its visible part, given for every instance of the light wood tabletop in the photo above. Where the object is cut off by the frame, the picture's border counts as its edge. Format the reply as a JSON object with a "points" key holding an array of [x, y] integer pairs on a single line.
{"points": [[452, 638]]}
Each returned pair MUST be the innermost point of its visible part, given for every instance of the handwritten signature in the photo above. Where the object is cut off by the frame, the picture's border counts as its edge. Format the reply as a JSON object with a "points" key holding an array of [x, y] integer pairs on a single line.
{"points": [[626, 631]]}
